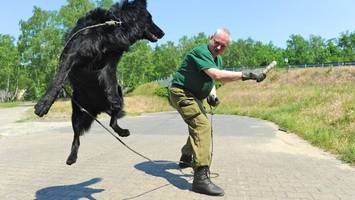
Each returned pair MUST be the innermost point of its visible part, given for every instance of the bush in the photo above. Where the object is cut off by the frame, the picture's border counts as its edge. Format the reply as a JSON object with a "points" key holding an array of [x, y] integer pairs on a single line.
{"points": [[162, 91]]}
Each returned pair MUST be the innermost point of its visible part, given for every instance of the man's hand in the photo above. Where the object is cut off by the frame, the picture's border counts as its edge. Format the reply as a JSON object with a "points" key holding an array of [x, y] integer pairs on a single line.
{"points": [[258, 76], [212, 98], [253, 76]]}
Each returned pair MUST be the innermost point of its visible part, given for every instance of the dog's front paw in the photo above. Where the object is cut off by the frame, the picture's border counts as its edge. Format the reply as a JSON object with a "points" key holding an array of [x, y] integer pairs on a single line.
{"points": [[121, 132], [124, 133], [42, 107]]}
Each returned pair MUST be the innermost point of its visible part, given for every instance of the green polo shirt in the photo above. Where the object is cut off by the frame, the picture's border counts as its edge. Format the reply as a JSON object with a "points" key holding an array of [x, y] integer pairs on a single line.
{"points": [[191, 76]]}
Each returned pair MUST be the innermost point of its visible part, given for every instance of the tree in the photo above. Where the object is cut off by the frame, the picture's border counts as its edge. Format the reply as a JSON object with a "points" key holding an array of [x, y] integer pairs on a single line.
{"points": [[39, 46], [318, 50], [232, 55], [136, 66], [333, 50], [166, 60], [9, 66], [71, 12], [186, 44], [347, 45], [240, 53], [297, 50]]}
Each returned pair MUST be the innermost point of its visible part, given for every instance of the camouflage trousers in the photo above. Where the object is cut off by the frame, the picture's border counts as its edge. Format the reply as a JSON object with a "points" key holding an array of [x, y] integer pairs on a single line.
{"points": [[194, 114]]}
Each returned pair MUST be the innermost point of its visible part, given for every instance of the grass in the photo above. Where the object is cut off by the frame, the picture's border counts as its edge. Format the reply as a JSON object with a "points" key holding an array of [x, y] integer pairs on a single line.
{"points": [[60, 111], [143, 100], [10, 104]]}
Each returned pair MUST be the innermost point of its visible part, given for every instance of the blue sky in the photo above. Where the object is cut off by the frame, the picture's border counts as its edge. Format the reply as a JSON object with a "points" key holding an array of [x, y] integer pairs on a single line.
{"points": [[268, 20]]}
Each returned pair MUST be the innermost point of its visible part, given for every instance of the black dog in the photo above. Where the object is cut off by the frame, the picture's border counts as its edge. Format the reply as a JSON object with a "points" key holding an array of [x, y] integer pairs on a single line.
{"points": [[90, 59]]}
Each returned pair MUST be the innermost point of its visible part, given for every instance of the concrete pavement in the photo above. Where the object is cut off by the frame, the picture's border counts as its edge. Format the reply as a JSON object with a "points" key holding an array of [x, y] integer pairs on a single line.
{"points": [[254, 161]]}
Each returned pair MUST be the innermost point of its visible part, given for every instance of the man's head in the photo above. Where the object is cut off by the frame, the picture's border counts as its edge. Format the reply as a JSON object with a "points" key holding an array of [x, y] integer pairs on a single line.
{"points": [[219, 41]]}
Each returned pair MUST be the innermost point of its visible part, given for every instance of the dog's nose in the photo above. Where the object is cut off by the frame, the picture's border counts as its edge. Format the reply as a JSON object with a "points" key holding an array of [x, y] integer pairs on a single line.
{"points": [[161, 34]]}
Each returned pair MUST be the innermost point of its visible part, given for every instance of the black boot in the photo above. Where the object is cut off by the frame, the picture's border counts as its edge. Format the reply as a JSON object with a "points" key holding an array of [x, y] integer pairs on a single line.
{"points": [[185, 161], [203, 184]]}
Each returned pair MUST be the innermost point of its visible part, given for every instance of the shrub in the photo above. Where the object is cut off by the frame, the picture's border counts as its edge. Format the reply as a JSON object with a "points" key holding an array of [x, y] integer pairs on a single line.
{"points": [[162, 92]]}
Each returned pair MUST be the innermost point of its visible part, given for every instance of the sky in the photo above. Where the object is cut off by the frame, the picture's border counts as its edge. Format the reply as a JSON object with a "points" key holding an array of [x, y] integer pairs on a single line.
{"points": [[262, 20]]}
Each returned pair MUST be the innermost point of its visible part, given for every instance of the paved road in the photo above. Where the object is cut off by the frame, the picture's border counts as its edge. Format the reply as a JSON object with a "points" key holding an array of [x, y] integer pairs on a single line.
{"points": [[254, 161]]}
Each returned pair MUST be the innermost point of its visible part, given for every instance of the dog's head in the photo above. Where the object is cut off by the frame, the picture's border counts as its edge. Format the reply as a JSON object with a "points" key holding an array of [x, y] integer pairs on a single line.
{"points": [[136, 18]]}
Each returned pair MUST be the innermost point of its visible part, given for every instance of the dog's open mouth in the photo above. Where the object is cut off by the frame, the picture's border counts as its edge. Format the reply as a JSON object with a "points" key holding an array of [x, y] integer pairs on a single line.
{"points": [[151, 37]]}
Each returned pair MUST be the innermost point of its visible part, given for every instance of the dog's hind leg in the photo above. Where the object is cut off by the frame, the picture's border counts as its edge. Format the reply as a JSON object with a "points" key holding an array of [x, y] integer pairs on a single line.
{"points": [[81, 122]]}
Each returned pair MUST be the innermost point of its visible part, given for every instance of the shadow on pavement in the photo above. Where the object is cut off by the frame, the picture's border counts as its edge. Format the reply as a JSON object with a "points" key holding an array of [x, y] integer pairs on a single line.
{"points": [[69, 192], [161, 169]]}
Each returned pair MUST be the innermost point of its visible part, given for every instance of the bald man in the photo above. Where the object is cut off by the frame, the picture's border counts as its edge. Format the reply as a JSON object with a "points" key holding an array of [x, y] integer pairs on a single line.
{"points": [[191, 84]]}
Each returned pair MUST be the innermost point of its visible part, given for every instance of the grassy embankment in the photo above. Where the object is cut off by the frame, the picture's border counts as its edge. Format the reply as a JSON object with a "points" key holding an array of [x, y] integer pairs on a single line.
{"points": [[316, 104]]}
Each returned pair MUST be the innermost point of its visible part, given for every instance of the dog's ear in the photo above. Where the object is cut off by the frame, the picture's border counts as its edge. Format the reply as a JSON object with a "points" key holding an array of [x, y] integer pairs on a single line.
{"points": [[141, 3]]}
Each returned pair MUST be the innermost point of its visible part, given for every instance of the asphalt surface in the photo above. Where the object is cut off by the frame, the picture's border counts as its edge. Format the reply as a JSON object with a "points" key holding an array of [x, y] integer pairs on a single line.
{"points": [[253, 158]]}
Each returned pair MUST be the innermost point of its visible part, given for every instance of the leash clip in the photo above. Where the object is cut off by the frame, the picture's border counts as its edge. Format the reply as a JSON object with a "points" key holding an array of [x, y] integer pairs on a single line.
{"points": [[113, 23]]}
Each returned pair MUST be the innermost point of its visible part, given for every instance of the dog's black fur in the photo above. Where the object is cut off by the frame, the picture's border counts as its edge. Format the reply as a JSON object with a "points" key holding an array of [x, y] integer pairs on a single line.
{"points": [[90, 59]]}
